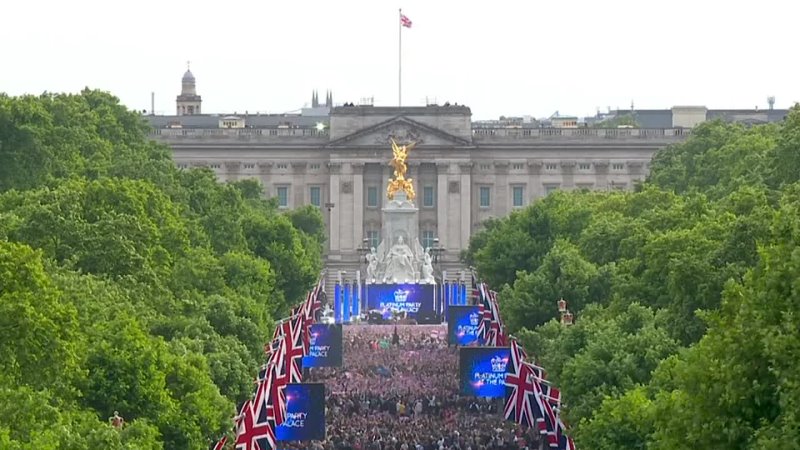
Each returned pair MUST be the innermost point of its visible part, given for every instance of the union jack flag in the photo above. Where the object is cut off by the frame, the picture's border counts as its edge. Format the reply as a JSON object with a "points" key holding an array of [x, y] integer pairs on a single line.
{"points": [[296, 349], [307, 311], [564, 442], [496, 334], [557, 438], [273, 383], [291, 349], [519, 404], [273, 377], [485, 309], [251, 432], [546, 416], [475, 293], [405, 21]]}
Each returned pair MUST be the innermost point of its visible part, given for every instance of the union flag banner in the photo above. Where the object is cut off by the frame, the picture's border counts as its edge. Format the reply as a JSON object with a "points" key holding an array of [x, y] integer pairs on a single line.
{"points": [[405, 21]]}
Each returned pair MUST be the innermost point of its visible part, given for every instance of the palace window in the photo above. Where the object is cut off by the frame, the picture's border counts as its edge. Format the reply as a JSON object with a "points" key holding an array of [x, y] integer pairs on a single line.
{"points": [[313, 166], [372, 197], [517, 197], [518, 166], [486, 167], [427, 238], [374, 238], [315, 195], [550, 188], [617, 166], [427, 197], [584, 166], [214, 166], [283, 196], [282, 166], [485, 196], [551, 166], [249, 166]]}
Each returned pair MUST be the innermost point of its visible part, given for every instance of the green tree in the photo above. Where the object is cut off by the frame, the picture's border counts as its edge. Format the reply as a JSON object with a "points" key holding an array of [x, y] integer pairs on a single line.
{"points": [[128, 285], [563, 274], [750, 395], [623, 422], [785, 157], [39, 343]]}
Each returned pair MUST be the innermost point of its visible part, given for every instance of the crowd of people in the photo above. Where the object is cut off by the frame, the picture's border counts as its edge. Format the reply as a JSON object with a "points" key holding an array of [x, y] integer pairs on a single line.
{"points": [[398, 390]]}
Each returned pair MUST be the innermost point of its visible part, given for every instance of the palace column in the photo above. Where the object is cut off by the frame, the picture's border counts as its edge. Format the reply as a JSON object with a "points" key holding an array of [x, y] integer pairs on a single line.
{"points": [[299, 187], [465, 169], [413, 174], [358, 203], [601, 174], [568, 174], [534, 180], [335, 181], [501, 205], [442, 205], [264, 175]]}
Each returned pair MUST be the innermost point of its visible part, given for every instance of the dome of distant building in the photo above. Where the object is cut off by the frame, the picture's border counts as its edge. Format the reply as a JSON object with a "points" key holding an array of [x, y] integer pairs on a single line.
{"points": [[188, 102]]}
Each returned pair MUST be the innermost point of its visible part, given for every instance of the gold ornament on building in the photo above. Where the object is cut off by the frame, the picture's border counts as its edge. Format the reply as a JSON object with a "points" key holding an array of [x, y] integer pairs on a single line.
{"points": [[400, 183]]}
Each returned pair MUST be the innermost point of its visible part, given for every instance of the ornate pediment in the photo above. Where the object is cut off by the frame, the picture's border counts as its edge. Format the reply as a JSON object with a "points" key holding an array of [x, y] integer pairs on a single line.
{"points": [[403, 131], [401, 135]]}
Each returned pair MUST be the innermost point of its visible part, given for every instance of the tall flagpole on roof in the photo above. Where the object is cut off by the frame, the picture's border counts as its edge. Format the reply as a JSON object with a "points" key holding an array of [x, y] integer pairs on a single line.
{"points": [[400, 57]]}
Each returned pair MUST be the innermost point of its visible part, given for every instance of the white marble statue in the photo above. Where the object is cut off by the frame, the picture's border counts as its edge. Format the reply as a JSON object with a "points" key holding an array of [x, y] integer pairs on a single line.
{"points": [[399, 263], [427, 268], [372, 266]]}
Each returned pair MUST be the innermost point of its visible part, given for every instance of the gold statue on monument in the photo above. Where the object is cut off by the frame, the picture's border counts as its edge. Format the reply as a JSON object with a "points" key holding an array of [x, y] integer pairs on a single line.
{"points": [[400, 183]]}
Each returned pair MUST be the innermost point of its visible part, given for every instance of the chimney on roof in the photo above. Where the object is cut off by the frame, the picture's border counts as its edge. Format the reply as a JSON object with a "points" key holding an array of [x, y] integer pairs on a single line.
{"points": [[771, 102]]}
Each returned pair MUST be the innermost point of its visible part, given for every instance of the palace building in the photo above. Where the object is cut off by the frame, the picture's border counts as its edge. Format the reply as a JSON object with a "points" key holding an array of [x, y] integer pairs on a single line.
{"points": [[464, 172]]}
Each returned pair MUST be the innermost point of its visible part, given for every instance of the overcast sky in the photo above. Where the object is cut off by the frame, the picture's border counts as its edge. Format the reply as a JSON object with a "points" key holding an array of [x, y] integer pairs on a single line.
{"points": [[498, 57]]}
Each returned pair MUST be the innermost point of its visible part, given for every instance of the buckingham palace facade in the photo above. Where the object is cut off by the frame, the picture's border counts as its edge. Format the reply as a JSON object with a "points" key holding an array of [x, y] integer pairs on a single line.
{"points": [[464, 172], [463, 175]]}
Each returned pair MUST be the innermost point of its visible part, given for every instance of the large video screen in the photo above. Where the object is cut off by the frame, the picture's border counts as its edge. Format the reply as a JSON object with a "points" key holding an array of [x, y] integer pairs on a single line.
{"points": [[462, 325], [416, 300], [483, 371], [326, 346], [305, 413]]}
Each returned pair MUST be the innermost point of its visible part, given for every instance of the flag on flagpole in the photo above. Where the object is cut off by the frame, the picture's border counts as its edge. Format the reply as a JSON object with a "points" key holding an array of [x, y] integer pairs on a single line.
{"points": [[405, 21]]}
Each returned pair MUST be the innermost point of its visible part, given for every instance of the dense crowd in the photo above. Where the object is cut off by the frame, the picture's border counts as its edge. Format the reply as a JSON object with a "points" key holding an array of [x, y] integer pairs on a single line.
{"points": [[398, 390]]}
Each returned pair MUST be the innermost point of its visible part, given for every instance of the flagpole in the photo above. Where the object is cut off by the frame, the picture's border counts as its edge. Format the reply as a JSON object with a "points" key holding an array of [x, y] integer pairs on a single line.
{"points": [[400, 58]]}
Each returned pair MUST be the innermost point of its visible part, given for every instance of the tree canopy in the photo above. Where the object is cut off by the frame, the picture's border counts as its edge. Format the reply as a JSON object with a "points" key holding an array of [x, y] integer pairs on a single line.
{"points": [[129, 285], [685, 294]]}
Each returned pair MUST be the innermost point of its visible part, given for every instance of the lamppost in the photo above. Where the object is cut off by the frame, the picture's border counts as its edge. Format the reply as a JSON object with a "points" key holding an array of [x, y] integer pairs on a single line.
{"points": [[566, 317], [363, 250], [436, 250], [436, 256]]}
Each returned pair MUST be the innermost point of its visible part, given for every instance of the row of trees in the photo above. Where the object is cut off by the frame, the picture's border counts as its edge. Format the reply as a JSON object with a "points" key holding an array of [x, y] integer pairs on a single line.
{"points": [[686, 294], [129, 285]]}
